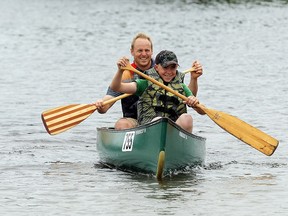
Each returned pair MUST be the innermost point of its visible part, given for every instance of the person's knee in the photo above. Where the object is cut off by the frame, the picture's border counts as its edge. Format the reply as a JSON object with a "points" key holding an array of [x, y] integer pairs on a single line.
{"points": [[124, 123], [186, 118], [186, 122]]}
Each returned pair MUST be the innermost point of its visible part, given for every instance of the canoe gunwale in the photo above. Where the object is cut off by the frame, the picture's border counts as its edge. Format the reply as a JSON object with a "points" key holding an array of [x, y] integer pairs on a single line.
{"points": [[164, 119]]}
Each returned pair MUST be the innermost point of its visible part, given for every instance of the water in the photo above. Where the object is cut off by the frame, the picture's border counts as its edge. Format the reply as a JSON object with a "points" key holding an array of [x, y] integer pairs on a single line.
{"points": [[55, 53]]}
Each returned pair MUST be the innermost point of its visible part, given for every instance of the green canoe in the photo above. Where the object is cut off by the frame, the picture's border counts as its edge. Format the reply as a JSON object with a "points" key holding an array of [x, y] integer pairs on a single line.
{"points": [[158, 147]]}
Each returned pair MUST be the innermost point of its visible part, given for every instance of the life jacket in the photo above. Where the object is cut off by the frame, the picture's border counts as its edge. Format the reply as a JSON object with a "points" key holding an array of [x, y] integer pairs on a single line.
{"points": [[157, 102], [129, 104]]}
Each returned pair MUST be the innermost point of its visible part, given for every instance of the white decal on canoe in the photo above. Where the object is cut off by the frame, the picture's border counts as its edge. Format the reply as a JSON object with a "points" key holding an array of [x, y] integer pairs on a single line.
{"points": [[128, 141], [182, 135], [141, 131]]}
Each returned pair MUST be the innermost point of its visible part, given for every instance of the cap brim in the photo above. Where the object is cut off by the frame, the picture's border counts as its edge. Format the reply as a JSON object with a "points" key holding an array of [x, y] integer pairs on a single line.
{"points": [[166, 64]]}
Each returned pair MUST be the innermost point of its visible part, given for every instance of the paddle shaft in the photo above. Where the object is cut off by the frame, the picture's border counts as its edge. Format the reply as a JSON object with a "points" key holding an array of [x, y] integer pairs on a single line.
{"points": [[129, 67], [113, 100], [189, 70]]}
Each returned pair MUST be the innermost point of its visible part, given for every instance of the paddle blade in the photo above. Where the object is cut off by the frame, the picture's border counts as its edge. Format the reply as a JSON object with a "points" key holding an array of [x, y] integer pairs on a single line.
{"points": [[243, 131], [62, 118]]}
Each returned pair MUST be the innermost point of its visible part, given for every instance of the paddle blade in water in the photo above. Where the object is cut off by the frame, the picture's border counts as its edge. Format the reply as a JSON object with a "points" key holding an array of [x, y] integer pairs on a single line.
{"points": [[243, 131], [62, 118]]}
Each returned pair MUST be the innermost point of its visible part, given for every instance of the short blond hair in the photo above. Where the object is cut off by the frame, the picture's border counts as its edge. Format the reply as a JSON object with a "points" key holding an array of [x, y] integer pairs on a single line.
{"points": [[143, 36]]}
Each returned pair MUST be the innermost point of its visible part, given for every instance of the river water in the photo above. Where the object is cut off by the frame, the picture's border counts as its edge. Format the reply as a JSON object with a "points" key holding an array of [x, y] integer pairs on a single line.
{"points": [[61, 52]]}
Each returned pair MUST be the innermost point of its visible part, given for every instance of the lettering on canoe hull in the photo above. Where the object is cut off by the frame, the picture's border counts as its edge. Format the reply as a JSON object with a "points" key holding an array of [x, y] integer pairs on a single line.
{"points": [[128, 141], [182, 135], [141, 131]]}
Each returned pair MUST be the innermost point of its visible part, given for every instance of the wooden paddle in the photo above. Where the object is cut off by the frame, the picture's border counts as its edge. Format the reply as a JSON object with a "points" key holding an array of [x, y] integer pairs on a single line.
{"points": [[62, 118], [238, 128]]}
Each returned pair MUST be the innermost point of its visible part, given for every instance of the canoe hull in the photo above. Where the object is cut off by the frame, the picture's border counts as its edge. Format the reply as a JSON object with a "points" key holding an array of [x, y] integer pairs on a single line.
{"points": [[142, 147]]}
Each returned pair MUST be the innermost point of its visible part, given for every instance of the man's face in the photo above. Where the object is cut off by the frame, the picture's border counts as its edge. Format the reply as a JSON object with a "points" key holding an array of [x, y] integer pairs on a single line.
{"points": [[142, 53]]}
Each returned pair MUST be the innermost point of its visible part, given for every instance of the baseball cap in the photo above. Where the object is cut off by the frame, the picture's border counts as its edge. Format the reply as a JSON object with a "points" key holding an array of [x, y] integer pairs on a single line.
{"points": [[166, 58]]}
